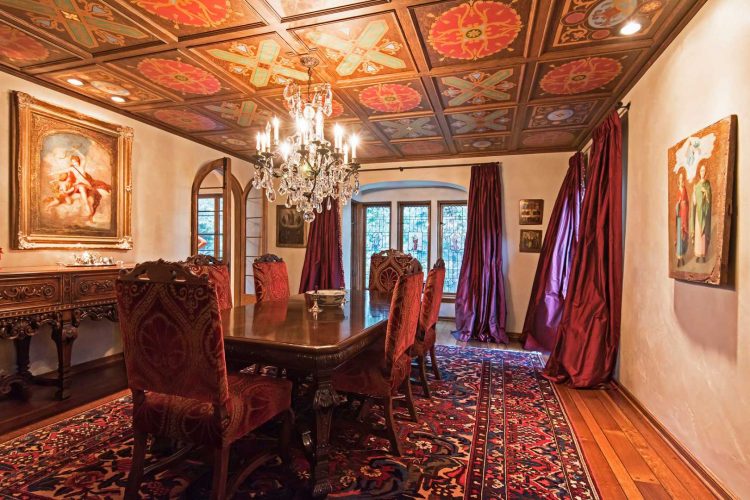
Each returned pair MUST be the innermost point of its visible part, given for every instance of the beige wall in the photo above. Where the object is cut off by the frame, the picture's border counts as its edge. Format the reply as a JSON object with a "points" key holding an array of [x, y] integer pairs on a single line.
{"points": [[686, 348], [163, 169], [523, 176]]}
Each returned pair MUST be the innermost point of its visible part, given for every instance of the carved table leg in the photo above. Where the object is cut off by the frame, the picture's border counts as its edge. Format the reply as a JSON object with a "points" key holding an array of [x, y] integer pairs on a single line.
{"points": [[22, 345], [64, 338], [323, 403]]}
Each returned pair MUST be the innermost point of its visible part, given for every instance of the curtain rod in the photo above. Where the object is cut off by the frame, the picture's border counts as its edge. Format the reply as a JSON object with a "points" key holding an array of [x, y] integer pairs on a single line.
{"points": [[401, 169], [624, 107]]}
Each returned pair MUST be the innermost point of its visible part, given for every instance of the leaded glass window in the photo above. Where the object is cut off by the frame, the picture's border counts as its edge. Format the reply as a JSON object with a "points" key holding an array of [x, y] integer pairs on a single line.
{"points": [[453, 217], [253, 234], [210, 224], [414, 230], [377, 233]]}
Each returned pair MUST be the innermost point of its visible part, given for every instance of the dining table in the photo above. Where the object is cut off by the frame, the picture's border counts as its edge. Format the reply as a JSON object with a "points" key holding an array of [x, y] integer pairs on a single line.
{"points": [[291, 335]]}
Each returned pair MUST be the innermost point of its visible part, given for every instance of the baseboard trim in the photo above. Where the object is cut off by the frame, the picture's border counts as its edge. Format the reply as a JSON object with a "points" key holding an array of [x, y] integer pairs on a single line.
{"points": [[706, 476], [93, 364]]}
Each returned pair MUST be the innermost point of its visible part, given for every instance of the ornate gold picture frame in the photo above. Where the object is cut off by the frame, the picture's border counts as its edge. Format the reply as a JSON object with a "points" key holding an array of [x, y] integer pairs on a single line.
{"points": [[72, 180]]}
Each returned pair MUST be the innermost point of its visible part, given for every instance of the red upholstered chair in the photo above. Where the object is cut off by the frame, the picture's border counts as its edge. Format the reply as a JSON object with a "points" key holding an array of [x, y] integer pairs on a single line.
{"points": [[428, 316], [386, 267], [174, 355], [380, 372], [218, 274], [271, 278]]}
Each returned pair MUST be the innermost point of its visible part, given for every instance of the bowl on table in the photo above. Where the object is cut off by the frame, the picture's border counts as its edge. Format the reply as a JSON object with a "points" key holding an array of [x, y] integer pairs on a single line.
{"points": [[328, 297]]}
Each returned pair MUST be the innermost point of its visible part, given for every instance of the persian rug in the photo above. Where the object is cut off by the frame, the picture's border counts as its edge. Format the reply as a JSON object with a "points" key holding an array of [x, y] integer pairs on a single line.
{"points": [[495, 428]]}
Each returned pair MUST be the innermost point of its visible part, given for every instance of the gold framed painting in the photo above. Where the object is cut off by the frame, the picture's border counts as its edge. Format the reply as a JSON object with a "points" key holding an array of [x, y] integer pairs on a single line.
{"points": [[72, 181], [291, 230], [531, 212], [700, 189], [531, 241]]}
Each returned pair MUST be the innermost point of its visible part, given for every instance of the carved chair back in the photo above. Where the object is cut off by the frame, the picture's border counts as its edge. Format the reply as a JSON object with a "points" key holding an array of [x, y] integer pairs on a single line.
{"points": [[218, 274], [386, 267], [271, 278], [404, 315], [172, 334], [431, 298]]}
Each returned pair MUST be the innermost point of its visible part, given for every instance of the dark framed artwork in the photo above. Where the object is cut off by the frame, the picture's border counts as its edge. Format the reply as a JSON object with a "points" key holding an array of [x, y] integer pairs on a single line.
{"points": [[531, 212], [72, 181], [291, 230], [531, 241], [701, 182]]}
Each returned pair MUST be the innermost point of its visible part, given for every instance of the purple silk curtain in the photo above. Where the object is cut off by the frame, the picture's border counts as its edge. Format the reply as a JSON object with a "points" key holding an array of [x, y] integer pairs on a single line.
{"points": [[551, 280], [585, 352], [480, 298], [324, 264]]}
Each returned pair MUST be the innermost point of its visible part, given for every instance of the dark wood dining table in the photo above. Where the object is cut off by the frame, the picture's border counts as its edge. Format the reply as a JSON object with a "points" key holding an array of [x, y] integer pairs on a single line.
{"points": [[285, 334]]}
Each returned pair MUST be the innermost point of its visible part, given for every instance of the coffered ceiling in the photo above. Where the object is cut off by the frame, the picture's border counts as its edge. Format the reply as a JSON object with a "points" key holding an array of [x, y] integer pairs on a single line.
{"points": [[415, 79]]}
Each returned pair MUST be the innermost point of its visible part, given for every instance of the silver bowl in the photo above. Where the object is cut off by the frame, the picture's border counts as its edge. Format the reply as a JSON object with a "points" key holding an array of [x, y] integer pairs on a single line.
{"points": [[328, 297]]}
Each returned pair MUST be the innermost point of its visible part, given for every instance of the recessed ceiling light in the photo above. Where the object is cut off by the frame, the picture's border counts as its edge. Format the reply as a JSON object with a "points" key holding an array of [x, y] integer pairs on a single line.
{"points": [[631, 28], [75, 81], [117, 98]]}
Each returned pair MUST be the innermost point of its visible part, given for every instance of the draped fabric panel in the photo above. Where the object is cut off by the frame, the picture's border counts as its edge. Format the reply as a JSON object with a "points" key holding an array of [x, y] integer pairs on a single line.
{"points": [[324, 263], [585, 351], [551, 281], [480, 298]]}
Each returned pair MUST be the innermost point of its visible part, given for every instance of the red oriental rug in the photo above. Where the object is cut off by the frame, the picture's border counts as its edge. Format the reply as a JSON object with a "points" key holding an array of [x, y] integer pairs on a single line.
{"points": [[495, 428]]}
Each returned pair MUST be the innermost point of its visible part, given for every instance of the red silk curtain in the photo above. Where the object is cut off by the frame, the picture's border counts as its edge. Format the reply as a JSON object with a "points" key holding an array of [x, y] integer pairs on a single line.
{"points": [[324, 263], [585, 352], [480, 298], [552, 273]]}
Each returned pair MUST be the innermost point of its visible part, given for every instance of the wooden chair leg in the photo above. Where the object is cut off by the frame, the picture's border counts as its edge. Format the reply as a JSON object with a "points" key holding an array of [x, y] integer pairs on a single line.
{"points": [[136, 467], [390, 426], [285, 439], [221, 467], [406, 388], [423, 376], [435, 369]]}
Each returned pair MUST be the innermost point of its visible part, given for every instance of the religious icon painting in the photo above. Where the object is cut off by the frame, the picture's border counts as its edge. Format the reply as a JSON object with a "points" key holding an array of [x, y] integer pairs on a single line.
{"points": [[103, 84], [701, 171], [462, 31], [584, 22], [19, 49], [92, 26], [73, 179], [185, 119], [582, 76], [531, 212], [189, 17], [391, 98], [479, 87], [291, 230], [530, 241], [360, 47], [560, 115], [261, 62]]}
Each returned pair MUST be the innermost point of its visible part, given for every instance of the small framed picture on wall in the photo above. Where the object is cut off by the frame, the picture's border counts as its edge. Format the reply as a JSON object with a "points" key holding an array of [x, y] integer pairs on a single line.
{"points": [[531, 212], [531, 241], [291, 230]]}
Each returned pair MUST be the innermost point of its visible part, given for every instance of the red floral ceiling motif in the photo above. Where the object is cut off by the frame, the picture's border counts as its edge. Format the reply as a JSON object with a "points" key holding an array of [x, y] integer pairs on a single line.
{"points": [[474, 30], [337, 109], [390, 98], [581, 75], [203, 13], [20, 47], [186, 120], [179, 76]]}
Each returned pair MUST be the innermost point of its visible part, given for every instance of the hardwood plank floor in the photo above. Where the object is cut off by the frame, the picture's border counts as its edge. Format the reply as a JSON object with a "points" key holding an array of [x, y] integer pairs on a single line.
{"points": [[627, 456]]}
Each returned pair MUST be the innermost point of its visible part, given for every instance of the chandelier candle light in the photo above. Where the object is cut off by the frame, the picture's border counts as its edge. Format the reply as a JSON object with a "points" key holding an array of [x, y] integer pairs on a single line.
{"points": [[309, 168]]}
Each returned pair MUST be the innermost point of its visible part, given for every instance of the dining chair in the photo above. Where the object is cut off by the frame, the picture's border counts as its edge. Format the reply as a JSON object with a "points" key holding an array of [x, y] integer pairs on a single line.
{"points": [[218, 274], [380, 372], [270, 277], [428, 316], [386, 267], [176, 370]]}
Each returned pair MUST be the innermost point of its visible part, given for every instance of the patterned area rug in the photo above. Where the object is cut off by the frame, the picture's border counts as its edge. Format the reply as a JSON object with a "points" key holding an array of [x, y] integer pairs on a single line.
{"points": [[494, 429]]}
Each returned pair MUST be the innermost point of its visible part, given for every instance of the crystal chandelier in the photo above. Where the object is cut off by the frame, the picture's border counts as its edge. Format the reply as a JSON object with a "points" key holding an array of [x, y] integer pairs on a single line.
{"points": [[308, 167]]}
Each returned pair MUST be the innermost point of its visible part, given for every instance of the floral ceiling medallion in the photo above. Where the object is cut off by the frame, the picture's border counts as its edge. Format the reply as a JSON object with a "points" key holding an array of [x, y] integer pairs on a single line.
{"points": [[200, 13], [180, 76], [478, 87], [390, 98], [581, 75]]}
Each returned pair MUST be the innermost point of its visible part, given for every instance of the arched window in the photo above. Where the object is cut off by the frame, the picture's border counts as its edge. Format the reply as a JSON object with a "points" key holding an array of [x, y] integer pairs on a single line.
{"points": [[254, 237]]}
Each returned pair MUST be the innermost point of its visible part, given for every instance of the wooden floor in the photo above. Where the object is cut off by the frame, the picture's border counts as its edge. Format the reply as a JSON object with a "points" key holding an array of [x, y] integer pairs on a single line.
{"points": [[627, 456]]}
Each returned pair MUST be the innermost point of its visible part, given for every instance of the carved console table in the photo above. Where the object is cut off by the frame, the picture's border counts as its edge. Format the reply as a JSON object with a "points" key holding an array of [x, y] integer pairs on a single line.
{"points": [[32, 297]]}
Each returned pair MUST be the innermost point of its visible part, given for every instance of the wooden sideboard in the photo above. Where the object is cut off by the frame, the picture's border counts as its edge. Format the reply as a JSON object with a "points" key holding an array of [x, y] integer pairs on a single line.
{"points": [[58, 296]]}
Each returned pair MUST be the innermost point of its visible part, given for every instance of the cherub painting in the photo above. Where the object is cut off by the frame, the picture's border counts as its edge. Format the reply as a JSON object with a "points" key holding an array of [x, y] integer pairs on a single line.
{"points": [[701, 175]]}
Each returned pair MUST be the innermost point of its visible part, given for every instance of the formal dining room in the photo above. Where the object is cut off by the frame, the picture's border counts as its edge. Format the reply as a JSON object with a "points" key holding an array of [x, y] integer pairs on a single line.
{"points": [[295, 249]]}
